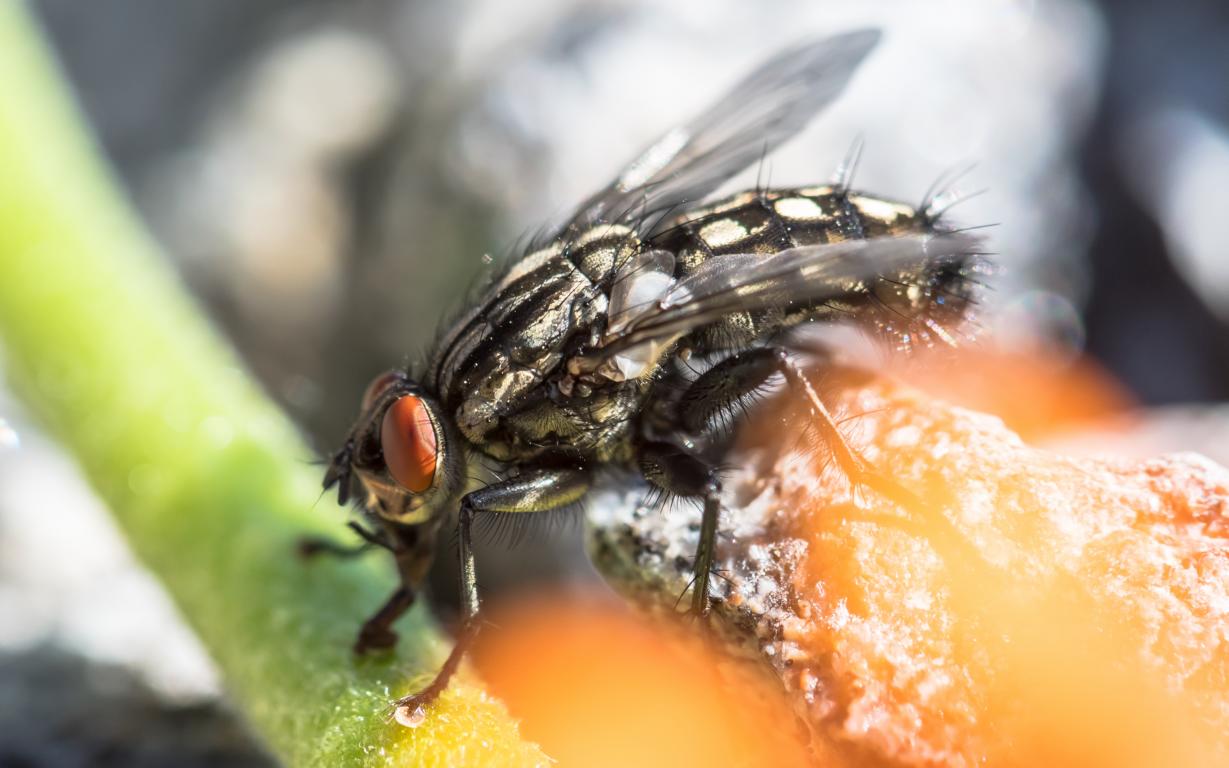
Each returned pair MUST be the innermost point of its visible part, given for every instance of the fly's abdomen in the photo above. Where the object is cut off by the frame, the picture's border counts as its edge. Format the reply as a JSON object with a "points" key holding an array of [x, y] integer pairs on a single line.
{"points": [[904, 306]]}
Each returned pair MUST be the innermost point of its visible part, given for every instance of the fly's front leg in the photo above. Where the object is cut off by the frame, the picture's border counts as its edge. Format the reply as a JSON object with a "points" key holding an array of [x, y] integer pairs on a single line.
{"points": [[535, 491], [412, 551], [674, 470], [311, 546]]}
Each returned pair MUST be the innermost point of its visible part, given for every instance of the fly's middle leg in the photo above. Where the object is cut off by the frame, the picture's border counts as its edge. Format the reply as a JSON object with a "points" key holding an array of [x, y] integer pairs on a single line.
{"points": [[673, 470], [535, 491]]}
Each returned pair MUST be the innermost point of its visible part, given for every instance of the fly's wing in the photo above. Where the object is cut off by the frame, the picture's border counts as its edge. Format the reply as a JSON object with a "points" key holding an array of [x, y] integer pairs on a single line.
{"points": [[762, 112], [929, 275]]}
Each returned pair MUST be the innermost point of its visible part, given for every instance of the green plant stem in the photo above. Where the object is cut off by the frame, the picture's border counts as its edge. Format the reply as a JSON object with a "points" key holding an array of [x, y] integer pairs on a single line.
{"points": [[206, 477]]}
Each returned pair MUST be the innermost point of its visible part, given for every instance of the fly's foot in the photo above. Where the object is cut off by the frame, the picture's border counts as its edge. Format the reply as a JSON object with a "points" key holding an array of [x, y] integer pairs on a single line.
{"points": [[307, 547], [412, 710], [374, 638], [377, 633]]}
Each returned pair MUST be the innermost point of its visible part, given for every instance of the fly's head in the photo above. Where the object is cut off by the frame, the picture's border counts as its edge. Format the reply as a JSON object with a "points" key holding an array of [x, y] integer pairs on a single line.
{"points": [[402, 454]]}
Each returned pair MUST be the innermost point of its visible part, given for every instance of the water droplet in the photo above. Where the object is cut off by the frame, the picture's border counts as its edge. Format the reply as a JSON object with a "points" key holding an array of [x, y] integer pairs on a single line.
{"points": [[410, 718]]}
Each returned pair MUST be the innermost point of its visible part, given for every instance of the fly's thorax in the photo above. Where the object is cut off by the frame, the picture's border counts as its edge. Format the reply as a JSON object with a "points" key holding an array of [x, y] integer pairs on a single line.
{"points": [[495, 372], [596, 426], [600, 250]]}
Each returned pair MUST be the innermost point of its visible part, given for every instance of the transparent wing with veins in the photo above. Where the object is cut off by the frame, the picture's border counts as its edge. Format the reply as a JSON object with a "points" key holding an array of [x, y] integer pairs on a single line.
{"points": [[651, 312], [759, 114]]}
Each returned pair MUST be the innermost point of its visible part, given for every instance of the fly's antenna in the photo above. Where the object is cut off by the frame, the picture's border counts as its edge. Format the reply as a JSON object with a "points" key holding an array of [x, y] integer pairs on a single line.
{"points": [[338, 473], [843, 177]]}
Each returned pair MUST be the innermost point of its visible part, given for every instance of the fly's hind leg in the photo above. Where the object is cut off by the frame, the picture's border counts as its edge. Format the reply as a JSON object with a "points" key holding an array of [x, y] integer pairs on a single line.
{"points": [[859, 471], [725, 384], [673, 470], [719, 388], [535, 491]]}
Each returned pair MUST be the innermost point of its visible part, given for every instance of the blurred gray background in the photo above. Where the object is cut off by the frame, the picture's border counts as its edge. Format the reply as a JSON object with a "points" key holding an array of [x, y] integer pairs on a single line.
{"points": [[328, 175]]}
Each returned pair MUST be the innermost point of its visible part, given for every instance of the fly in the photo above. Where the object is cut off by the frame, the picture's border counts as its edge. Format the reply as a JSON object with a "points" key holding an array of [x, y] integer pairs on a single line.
{"points": [[580, 357]]}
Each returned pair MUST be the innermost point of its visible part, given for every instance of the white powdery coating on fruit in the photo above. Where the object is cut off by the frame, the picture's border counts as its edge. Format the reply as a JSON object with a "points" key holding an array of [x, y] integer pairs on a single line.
{"points": [[871, 657]]}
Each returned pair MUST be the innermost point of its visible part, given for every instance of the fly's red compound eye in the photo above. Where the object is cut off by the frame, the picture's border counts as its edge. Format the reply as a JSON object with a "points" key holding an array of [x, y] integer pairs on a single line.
{"points": [[407, 436], [378, 387]]}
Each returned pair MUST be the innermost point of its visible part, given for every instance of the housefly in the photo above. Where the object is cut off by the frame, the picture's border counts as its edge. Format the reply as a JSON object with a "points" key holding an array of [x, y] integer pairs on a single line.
{"points": [[625, 336]]}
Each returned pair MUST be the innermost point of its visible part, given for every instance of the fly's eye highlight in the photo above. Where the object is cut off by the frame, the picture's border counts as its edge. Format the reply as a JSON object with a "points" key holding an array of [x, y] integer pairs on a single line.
{"points": [[378, 387], [407, 437]]}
